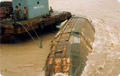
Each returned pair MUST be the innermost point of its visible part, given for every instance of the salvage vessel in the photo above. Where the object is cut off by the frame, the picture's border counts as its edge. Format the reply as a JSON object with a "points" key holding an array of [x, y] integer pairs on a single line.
{"points": [[38, 16], [70, 48]]}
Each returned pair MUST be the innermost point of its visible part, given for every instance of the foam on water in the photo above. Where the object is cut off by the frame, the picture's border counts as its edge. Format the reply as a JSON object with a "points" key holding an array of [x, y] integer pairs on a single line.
{"points": [[105, 50]]}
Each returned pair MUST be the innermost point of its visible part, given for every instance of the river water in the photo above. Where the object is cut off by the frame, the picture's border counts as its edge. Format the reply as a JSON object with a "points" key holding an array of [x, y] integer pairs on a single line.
{"points": [[27, 59]]}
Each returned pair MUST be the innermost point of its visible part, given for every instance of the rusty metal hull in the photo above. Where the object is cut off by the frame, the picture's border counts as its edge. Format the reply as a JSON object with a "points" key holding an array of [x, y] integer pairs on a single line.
{"points": [[70, 47], [6, 4], [12, 27], [2, 13]]}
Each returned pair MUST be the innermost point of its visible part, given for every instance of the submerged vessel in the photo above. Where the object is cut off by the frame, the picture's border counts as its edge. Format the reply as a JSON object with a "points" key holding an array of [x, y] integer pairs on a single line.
{"points": [[70, 47], [38, 16]]}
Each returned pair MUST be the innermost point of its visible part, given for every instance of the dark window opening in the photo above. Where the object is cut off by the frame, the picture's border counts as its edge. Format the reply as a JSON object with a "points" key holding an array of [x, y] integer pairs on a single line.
{"points": [[19, 4], [38, 2]]}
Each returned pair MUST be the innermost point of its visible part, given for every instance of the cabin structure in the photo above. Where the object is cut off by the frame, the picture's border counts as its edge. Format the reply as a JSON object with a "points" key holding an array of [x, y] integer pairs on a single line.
{"points": [[34, 7]]}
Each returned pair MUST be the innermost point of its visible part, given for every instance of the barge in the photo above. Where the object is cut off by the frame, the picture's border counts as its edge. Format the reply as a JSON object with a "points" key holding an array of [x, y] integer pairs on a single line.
{"points": [[70, 47], [38, 17]]}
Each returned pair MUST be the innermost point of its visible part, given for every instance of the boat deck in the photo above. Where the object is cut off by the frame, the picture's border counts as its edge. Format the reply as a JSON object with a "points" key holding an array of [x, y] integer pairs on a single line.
{"points": [[12, 27]]}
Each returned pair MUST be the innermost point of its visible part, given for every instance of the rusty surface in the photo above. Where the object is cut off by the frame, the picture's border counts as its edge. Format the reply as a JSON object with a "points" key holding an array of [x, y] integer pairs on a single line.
{"points": [[35, 22], [63, 57], [2, 10], [2, 13]]}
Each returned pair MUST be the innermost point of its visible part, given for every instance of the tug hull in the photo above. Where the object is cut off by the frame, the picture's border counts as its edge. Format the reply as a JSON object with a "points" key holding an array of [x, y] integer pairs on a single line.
{"points": [[19, 27], [70, 47]]}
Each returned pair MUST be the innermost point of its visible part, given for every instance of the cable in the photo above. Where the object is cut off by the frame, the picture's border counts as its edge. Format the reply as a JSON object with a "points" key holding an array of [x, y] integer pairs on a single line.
{"points": [[36, 34], [34, 30], [30, 35]]}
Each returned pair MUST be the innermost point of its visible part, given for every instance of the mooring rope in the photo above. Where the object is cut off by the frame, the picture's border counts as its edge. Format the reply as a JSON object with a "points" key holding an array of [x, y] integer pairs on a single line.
{"points": [[36, 34], [34, 30], [30, 35]]}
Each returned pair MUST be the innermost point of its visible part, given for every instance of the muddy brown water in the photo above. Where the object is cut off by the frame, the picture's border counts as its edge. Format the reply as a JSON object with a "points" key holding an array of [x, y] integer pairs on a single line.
{"points": [[24, 59], [27, 59]]}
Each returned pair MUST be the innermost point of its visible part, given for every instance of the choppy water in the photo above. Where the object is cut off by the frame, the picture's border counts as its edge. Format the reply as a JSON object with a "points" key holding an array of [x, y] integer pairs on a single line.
{"points": [[27, 59]]}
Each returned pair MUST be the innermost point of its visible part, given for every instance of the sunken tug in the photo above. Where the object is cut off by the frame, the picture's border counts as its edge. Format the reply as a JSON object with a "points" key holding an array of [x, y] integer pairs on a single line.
{"points": [[70, 48], [22, 16]]}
